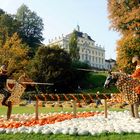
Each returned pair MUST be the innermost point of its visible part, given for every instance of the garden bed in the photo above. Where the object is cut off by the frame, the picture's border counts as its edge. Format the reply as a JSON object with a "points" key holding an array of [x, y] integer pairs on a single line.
{"points": [[87, 123]]}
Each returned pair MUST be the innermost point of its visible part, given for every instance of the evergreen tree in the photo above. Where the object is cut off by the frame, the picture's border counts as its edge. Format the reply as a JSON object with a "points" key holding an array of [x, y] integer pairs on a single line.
{"points": [[8, 26], [73, 48]]}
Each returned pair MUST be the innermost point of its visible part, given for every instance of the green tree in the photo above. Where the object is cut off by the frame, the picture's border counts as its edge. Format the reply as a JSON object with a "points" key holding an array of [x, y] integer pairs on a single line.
{"points": [[73, 48], [31, 27], [1, 12], [53, 65], [8, 26]]}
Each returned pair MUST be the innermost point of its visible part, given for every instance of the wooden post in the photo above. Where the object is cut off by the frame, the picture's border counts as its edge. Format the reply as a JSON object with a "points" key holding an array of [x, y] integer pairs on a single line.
{"points": [[105, 108], [36, 110], [74, 108], [136, 110], [62, 107], [132, 110]]}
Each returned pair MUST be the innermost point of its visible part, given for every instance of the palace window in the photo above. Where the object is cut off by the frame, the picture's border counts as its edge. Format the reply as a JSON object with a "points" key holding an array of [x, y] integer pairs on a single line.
{"points": [[89, 58], [82, 56], [93, 58], [99, 60]]}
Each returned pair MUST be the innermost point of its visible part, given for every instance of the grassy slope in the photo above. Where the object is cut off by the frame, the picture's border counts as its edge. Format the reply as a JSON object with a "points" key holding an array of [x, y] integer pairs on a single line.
{"points": [[96, 80]]}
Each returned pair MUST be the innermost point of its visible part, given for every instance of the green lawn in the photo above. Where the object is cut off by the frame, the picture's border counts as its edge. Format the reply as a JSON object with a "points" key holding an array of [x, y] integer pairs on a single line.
{"points": [[33, 136], [31, 109]]}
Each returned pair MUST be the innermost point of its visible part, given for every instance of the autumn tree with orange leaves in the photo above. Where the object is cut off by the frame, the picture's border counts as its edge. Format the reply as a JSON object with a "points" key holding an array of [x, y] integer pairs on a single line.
{"points": [[124, 16], [16, 53]]}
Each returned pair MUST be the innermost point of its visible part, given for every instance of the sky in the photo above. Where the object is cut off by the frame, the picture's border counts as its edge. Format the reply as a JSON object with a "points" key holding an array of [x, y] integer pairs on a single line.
{"points": [[63, 16]]}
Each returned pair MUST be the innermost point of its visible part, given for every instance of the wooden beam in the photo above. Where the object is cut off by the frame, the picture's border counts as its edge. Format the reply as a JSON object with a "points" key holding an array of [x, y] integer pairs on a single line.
{"points": [[91, 70], [36, 83]]}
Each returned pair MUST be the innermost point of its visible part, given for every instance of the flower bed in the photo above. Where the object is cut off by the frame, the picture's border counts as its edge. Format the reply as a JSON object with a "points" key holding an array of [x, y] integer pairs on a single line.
{"points": [[29, 120], [85, 123]]}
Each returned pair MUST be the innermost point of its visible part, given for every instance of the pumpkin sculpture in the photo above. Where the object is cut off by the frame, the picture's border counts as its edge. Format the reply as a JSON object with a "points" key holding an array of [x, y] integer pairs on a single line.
{"points": [[127, 85], [16, 88]]}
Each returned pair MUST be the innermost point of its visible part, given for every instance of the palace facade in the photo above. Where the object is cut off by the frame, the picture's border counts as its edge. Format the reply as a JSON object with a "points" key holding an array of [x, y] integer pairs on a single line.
{"points": [[89, 52]]}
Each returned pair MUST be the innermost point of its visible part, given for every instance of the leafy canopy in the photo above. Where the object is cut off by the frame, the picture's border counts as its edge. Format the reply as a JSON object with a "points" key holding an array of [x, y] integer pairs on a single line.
{"points": [[31, 27], [73, 48], [16, 53], [124, 16], [53, 65]]}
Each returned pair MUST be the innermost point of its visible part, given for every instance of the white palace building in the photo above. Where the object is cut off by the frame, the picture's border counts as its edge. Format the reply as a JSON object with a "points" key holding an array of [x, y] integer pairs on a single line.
{"points": [[90, 52]]}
